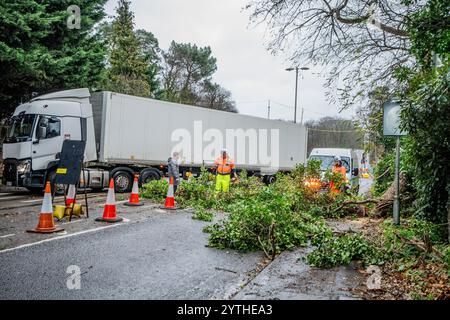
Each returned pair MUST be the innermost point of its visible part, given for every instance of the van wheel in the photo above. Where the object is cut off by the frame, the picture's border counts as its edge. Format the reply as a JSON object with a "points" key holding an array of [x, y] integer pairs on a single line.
{"points": [[123, 181]]}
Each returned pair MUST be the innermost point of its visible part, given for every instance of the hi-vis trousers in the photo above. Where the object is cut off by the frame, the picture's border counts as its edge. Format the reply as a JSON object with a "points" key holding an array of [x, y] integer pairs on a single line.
{"points": [[222, 182]]}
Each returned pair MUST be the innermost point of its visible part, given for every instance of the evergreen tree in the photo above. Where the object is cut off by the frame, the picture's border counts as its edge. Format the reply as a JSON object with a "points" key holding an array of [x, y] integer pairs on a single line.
{"points": [[128, 69], [40, 53]]}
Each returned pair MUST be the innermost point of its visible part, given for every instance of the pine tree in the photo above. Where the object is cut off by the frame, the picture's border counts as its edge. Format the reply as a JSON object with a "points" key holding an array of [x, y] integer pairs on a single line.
{"points": [[39, 53], [128, 68]]}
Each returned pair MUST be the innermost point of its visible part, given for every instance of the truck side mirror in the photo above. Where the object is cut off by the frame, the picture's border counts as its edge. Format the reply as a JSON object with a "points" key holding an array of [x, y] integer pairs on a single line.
{"points": [[355, 172], [42, 132]]}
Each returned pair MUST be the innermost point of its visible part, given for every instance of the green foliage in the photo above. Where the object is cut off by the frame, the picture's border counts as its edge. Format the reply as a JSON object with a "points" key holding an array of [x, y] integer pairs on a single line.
{"points": [[187, 78], [270, 218], [152, 56], [384, 174], [39, 53], [203, 215], [388, 246], [155, 190], [128, 68], [335, 251], [425, 112]]}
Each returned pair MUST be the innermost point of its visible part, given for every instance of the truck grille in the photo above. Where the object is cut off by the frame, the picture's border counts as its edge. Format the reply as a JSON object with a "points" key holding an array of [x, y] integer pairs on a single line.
{"points": [[10, 172]]}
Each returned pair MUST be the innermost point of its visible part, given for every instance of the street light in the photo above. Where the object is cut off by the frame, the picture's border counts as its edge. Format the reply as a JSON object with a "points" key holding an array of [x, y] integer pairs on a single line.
{"points": [[296, 89]]}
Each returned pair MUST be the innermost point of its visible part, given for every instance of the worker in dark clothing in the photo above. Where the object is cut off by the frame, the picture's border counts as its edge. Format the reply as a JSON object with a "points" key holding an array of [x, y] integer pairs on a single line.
{"points": [[173, 170]]}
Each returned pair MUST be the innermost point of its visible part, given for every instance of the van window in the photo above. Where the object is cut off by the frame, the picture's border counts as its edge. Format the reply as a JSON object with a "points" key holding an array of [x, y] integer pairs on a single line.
{"points": [[327, 162]]}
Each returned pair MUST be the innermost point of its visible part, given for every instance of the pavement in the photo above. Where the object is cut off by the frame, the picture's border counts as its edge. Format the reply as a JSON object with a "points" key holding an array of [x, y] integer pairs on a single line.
{"points": [[152, 254]]}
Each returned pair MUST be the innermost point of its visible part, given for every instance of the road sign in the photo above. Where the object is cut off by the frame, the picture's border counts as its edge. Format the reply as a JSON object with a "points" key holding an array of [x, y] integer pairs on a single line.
{"points": [[391, 119], [71, 162]]}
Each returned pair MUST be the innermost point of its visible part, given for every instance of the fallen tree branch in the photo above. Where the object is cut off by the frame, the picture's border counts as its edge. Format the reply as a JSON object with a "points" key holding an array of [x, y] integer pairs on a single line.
{"points": [[421, 246], [346, 203]]}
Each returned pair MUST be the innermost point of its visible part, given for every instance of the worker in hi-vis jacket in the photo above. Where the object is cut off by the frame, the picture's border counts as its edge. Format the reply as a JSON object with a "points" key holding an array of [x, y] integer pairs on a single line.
{"points": [[224, 168]]}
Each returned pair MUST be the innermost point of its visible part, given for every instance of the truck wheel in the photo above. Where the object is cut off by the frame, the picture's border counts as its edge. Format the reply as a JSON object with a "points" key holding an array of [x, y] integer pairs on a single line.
{"points": [[271, 179], [149, 175], [123, 181]]}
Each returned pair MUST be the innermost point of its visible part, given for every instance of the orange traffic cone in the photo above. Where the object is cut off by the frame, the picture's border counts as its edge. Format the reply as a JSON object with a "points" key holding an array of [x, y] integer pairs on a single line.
{"points": [[134, 198], [170, 201], [70, 200], [46, 223], [109, 213]]}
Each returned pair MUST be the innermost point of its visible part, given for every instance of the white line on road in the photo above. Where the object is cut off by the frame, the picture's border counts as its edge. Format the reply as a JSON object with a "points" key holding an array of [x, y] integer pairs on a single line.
{"points": [[117, 202], [40, 200], [11, 198], [68, 222], [8, 235], [5, 194], [125, 221]]}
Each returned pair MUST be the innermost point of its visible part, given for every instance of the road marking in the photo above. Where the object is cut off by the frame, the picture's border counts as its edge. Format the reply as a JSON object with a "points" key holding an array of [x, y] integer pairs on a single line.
{"points": [[117, 202], [68, 235], [72, 221], [8, 235], [11, 198]]}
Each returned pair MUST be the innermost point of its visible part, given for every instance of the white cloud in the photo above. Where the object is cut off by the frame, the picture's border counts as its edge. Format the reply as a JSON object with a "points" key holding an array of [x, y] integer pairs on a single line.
{"points": [[245, 67]]}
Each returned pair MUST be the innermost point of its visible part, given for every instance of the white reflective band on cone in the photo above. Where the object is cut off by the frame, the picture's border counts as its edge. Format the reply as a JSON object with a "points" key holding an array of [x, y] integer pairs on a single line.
{"points": [[170, 191], [111, 198], [135, 188], [71, 192], [47, 204]]}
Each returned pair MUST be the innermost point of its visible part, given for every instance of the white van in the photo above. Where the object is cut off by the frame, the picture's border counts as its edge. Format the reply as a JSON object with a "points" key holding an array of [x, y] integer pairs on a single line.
{"points": [[349, 161]]}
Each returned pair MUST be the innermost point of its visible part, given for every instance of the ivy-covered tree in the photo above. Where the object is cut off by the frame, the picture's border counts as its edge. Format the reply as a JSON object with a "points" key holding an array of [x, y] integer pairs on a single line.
{"points": [[127, 72], [426, 111], [40, 53]]}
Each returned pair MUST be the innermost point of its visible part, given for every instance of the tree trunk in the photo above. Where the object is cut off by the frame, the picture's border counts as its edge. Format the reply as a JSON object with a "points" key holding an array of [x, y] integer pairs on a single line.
{"points": [[387, 199], [448, 218]]}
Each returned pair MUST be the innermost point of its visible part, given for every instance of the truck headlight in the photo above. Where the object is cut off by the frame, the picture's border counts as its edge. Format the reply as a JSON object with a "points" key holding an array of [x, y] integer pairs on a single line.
{"points": [[23, 166]]}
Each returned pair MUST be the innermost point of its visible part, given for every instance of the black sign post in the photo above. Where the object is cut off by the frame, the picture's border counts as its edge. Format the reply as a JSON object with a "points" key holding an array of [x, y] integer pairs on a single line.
{"points": [[70, 168]]}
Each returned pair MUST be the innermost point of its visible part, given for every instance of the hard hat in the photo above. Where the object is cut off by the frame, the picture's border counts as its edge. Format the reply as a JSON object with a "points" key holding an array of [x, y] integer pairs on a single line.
{"points": [[223, 150], [337, 158]]}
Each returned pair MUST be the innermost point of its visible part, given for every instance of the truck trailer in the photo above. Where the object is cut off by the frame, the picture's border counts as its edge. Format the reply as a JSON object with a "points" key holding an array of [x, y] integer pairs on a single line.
{"points": [[127, 135]]}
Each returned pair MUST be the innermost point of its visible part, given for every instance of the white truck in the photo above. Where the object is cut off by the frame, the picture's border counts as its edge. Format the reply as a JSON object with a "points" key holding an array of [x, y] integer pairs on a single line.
{"points": [[128, 135]]}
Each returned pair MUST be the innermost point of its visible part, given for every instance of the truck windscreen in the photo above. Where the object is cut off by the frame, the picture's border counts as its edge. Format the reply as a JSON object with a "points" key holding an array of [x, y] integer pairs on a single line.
{"points": [[20, 128]]}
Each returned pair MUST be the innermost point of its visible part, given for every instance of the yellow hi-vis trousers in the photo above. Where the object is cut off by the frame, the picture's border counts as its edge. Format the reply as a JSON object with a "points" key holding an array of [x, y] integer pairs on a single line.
{"points": [[222, 182]]}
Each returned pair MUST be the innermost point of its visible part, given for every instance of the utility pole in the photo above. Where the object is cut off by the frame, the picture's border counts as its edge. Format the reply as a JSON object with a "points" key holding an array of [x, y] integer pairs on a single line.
{"points": [[296, 89], [301, 119], [397, 183], [268, 109]]}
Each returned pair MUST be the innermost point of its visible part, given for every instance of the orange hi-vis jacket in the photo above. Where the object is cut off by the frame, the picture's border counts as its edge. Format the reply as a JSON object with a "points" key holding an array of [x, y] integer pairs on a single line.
{"points": [[340, 170], [224, 166]]}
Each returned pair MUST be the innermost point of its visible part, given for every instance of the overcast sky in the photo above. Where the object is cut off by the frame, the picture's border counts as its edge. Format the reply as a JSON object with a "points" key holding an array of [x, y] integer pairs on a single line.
{"points": [[245, 67]]}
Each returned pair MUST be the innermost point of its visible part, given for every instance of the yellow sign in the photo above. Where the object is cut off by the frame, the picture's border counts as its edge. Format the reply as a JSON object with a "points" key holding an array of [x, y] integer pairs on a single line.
{"points": [[61, 170]]}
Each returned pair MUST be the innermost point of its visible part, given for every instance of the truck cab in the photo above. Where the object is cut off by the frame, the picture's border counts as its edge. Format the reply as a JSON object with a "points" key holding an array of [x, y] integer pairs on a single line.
{"points": [[36, 132], [349, 160]]}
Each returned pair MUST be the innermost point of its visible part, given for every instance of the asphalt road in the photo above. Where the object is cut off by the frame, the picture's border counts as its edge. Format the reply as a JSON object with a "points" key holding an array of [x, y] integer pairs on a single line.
{"points": [[154, 254]]}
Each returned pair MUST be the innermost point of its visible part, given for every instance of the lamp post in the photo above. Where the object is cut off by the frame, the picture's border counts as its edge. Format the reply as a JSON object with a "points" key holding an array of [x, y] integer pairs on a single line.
{"points": [[296, 90]]}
